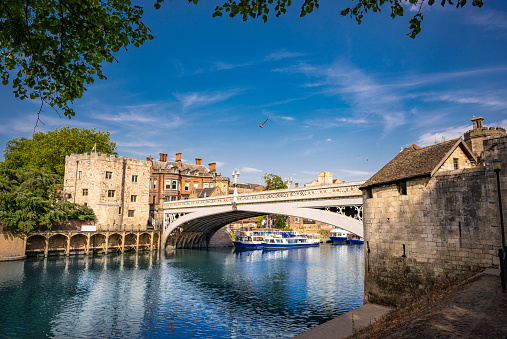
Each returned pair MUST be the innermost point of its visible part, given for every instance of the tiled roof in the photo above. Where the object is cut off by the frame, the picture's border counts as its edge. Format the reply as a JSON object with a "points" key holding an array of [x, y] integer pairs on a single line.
{"points": [[415, 161], [168, 165], [204, 192]]}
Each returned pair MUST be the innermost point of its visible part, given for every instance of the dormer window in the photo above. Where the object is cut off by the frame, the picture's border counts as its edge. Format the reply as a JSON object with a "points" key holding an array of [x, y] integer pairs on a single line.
{"points": [[455, 163]]}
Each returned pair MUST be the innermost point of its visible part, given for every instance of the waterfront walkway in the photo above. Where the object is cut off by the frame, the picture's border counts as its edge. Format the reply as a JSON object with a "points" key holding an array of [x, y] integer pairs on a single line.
{"points": [[476, 308]]}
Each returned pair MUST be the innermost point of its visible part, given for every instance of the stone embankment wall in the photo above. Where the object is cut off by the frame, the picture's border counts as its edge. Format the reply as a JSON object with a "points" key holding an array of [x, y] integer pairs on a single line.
{"points": [[12, 247], [445, 226], [220, 239]]}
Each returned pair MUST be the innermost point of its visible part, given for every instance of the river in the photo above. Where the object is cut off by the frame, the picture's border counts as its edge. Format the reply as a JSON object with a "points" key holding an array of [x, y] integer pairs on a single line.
{"points": [[218, 293]]}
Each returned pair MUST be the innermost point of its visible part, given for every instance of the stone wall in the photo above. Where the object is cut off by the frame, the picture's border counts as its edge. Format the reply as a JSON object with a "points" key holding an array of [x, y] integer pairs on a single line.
{"points": [[445, 226], [120, 198], [12, 246]]}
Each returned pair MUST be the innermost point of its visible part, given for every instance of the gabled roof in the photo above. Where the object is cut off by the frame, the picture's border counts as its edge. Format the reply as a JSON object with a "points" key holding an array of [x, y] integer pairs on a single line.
{"points": [[204, 192], [415, 161], [168, 165]]}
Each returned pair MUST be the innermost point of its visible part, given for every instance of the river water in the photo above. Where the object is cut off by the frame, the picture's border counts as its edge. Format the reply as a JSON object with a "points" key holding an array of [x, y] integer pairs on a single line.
{"points": [[220, 293]]}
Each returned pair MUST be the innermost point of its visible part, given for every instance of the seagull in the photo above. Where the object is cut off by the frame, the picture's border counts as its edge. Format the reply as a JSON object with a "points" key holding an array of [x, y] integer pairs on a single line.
{"points": [[262, 125]]}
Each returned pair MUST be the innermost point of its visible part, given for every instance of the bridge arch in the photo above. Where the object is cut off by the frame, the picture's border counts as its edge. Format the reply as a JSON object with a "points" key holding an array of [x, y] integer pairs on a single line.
{"points": [[194, 227]]}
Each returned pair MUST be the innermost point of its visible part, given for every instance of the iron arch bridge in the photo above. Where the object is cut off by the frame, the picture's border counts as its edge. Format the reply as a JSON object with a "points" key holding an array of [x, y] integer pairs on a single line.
{"points": [[191, 223]]}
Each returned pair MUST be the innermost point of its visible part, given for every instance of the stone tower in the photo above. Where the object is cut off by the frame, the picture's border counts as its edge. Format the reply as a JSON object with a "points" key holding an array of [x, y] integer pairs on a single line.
{"points": [[474, 137]]}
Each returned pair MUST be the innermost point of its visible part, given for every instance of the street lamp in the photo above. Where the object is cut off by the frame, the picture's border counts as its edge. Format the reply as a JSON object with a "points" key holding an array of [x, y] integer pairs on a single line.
{"points": [[235, 176], [497, 166]]}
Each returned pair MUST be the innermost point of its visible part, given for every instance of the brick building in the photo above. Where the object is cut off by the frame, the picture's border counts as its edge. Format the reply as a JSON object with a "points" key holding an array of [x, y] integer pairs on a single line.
{"points": [[116, 188]]}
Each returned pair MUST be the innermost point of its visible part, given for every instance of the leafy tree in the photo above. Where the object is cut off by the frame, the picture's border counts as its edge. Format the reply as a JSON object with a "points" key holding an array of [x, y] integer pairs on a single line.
{"points": [[272, 182], [52, 48], [29, 199], [47, 151], [262, 8]]}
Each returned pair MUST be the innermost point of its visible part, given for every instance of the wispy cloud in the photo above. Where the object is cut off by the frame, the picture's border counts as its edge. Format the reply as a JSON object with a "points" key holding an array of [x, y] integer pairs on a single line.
{"points": [[283, 54], [201, 99], [489, 19], [288, 118], [328, 140], [447, 134], [250, 170]]}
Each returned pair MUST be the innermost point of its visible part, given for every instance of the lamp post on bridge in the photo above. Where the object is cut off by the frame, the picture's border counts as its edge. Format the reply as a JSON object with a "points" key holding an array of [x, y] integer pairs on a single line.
{"points": [[497, 166], [235, 176]]}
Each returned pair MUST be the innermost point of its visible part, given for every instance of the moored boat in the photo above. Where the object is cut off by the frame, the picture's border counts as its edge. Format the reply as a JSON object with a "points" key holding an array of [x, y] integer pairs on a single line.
{"points": [[248, 240], [284, 240], [354, 239], [313, 239], [338, 236]]}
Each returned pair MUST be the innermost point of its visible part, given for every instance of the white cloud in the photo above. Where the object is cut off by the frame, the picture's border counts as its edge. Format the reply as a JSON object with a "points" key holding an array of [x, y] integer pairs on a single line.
{"points": [[328, 140], [250, 170], [450, 133], [288, 118], [202, 99], [489, 19], [357, 173], [279, 55]]}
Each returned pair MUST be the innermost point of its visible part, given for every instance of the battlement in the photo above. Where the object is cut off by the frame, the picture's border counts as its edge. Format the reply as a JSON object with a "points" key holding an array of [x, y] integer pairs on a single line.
{"points": [[483, 132], [105, 157]]}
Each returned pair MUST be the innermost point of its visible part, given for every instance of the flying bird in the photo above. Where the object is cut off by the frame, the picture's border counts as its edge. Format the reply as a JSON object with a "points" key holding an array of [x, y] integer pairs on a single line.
{"points": [[262, 125]]}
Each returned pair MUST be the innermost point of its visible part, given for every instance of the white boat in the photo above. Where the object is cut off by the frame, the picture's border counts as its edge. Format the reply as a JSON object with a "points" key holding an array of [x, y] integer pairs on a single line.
{"points": [[313, 239], [354, 239], [283, 240], [338, 236], [248, 240]]}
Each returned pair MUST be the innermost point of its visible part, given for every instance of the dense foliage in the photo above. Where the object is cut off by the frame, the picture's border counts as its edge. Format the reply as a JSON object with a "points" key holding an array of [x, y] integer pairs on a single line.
{"points": [[49, 49], [47, 151], [262, 8], [30, 199], [273, 182]]}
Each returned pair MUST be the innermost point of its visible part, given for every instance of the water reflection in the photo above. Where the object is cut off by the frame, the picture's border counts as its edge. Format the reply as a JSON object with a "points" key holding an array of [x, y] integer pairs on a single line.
{"points": [[181, 294]]}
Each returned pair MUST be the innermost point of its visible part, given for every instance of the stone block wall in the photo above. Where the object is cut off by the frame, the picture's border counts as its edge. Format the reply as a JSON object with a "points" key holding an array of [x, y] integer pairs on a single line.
{"points": [[12, 246], [445, 226], [86, 182]]}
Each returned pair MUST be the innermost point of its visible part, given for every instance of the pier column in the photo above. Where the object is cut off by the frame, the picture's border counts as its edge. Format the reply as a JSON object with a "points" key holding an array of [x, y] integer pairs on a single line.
{"points": [[137, 242], [46, 247], [106, 243], [87, 246], [151, 241], [123, 242], [67, 249]]}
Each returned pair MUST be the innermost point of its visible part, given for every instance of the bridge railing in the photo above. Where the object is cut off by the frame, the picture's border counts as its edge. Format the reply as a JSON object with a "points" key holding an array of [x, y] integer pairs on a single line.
{"points": [[345, 190]]}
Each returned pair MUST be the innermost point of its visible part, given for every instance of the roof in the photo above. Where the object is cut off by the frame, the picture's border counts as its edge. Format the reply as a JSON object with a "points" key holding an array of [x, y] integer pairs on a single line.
{"points": [[168, 165], [415, 161], [204, 192]]}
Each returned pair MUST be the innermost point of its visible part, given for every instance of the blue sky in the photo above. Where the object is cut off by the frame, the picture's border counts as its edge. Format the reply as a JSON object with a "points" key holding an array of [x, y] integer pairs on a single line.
{"points": [[339, 97]]}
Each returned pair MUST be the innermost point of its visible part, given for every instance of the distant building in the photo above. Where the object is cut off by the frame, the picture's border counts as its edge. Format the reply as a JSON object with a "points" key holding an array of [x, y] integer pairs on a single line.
{"points": [[116, 188], [324, 178], [246, 188]]}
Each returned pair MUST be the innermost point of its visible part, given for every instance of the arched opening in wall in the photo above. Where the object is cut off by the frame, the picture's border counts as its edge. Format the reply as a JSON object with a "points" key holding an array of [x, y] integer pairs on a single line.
{"points": [[98, 243], [78, 244], [35, 245], [57, 244], [144, 241], [114, 242], [130, 242]]}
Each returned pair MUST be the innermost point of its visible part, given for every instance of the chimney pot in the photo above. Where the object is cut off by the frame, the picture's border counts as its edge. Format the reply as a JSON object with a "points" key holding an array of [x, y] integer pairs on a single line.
{"points": [[162, 157], [297, 185], [198, 161], [212, 166], [178, 158]]}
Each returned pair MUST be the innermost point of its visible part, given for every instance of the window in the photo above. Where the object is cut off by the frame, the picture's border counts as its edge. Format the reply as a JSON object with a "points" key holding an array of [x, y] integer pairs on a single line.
{"points": [[154, 199], [85, 204], [187, 186], [109, 175], [134, 178], [154, 184], [173, 198], [206, 185], [196, 185], [133, 198], [119, 210], [130, 213], [369, 193], [211, 185], [110, 193], [455, 163], [175, 185], [79, 174], [296, 220], [85, 191], [166, 199], [402, 187], [168, 184]]}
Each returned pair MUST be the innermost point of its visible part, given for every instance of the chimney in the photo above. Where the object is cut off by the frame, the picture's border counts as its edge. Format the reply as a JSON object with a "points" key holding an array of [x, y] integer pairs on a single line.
{"points": [[162, 157], [198, 161], [212, 166], [297, 185], [149, 159], [178, 158], [477, 122]]}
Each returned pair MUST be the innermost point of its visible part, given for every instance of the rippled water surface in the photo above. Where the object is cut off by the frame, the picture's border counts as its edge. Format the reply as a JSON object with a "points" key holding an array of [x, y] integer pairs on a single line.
{"points": [[180, 294]]}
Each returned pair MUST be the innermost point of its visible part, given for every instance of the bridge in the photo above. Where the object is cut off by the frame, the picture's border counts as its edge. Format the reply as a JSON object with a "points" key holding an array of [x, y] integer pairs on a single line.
{"points": [[191, 223]]}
